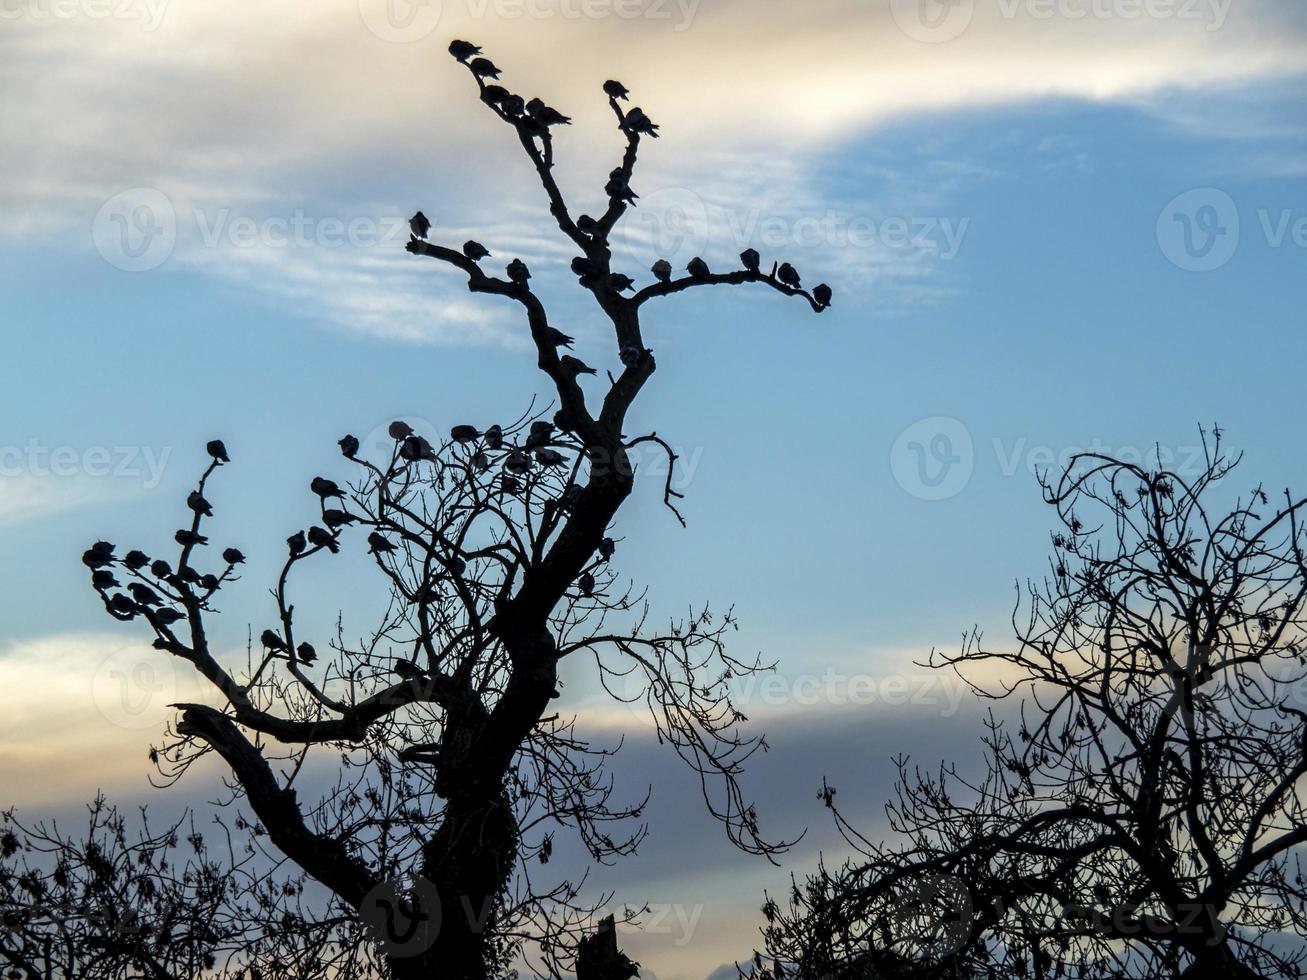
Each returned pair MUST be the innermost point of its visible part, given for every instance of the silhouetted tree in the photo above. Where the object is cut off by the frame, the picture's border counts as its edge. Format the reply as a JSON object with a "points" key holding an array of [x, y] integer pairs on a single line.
{"points": [[1141, 816], [453, 773]]}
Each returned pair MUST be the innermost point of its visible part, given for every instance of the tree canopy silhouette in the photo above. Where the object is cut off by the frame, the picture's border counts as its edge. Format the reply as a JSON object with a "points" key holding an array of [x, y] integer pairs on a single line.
{"points": [[453, 771]]}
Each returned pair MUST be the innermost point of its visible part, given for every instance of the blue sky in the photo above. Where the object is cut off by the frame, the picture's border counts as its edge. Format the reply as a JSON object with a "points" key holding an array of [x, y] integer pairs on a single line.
{"points": [[1058, 315]]}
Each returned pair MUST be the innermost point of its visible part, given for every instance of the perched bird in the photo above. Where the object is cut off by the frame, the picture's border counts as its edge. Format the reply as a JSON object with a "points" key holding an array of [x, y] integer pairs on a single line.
{"points": [[550, 457], [618, 187], [509, 484], [400, 430], [698, 268], [189, 574], [103, 579], [122, 605], [160, 568], [575, 366], [475, 251], [540, 434], [619, 282], [518, 272], [379, 545], [557, 338], [495, 436], [587, 224], [514, 106], [586, 583], [616, 90], [349, 446], [187, 538], [481, 461], [98, 555], [143, 594], [136, 560], [638, 122], [233, 556], [306, 653], [415, 448], [563, 421], [547, 114], [272, 641], [750, 259], [484, 68], [196, 502], [496, 94], [606, 548], [407, 669], [296, 543], [325, 488], [322, 538], [168, 616], [464, 433], [337, 518], [420, 225], [584, 268], [788, 275], [217, 450], [209, 582], [517, 462], [822, 294], [662, 270], [462, 50], [630, 356]]}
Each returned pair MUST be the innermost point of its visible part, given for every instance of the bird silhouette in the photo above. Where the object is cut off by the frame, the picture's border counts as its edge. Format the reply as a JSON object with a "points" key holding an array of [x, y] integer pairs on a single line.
{"points": [[233, 556], [217, 450], [272, 641], [540, 434], [420, 225], [788, 275], [407, 669], [122, 605], [484, 68], [481, 461], [325, 488], [550, 457], [462, 50], [188, 574], [186, 538], [638, 122], [306, 653], [98, 555], [496, 94], [378, 545], [475, 251], [750, 259], [517, 462], [606, 548], [662, 270], [210, 582], [160, 568], [618, 187], [586, 583], [296, 543], [574, 366], [513, 106], [495, 436], [400, 430], [322, 538], [337, 518], [547, 115], [616, 90], [349, 446], [518, 272], [196, 502], [587, 224], [564, 421], [416, 448], [103, 579], [509, 484], [822, 294], [583, 267], [619, 282], [557, 338], [143, 594], [136, 560], [168, 616], [464, 433], [698, 268]]}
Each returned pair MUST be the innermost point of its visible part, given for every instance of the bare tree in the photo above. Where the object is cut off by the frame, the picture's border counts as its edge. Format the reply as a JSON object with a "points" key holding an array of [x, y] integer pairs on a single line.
{"points": [[1141, 815], [453, 772]]}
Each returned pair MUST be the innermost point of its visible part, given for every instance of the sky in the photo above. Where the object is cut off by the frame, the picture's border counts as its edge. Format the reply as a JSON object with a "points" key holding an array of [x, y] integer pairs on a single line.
{"points": [[1050, 225]]}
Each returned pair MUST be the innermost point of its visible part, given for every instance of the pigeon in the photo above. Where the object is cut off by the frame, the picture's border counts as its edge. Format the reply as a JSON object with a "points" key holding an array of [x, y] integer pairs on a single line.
{"points": [[496, 94], [209, 582], [407, 669], [160, 568], [557, 338], [217, 450], [606, 548], [233, 556], [400, 430], [550, 457], [325, 488], [189, 574], [509, 484], [514, 106], [169, 616], [547, 114], [822, 294], [296, 543], [621, 190], [484, 68], [495, 436], [143, 594], [271, 641], [481, 461], [415, 448], [587, 224], [540, 434], [122, 605], [518, 272], [788, 275], [616, 90], [475, 251], [575, 366], [196, 502], [750, 259], [462, 50], [619, 282], [586, 583], [662, 270], [630, 356], [517, 462], [698, 268], [420, 225], [322, 538], [187, 538], [349, 446], [563, 421], [584, 268], [464, 433], [379, 545], [337, 518], [103, 579], [306, 653], [98, 555], [638, 122], [136, 560]]}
